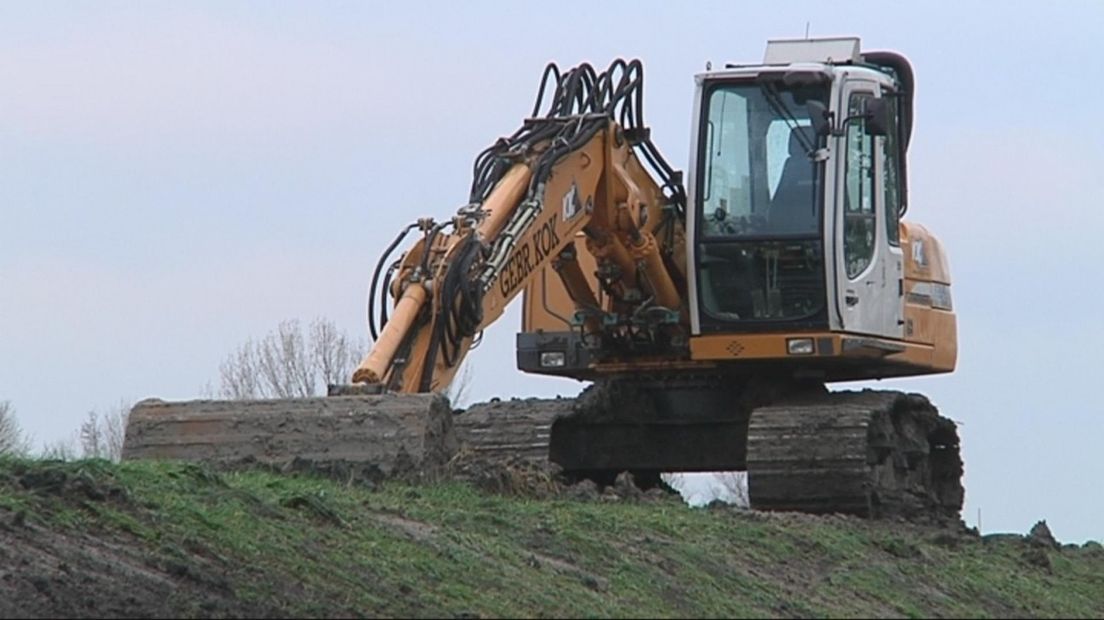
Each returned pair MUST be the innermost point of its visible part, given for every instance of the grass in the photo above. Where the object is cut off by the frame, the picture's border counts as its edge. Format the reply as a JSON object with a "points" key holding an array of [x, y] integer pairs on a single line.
{"points": [[307, 546]]}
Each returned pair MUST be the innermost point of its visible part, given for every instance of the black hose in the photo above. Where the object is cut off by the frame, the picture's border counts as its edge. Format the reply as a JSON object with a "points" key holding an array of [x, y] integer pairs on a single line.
{"points": [[460, 310], [383, 294], [551, 69], [581, 102], [375, 279]]}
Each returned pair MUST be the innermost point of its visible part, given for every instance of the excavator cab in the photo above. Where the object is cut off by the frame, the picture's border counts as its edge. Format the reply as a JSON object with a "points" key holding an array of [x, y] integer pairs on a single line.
{"points": [[798, 187], [759, 250], [796, 198], [793, 256]]}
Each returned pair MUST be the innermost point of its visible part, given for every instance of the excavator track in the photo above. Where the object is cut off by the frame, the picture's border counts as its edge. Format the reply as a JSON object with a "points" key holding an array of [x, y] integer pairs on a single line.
{"points": [[509, 429], [875, 454], [872, 453]]}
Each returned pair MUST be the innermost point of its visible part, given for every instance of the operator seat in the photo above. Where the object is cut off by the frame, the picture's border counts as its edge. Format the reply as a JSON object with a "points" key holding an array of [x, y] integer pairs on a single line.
{"points": [[793, 207]]}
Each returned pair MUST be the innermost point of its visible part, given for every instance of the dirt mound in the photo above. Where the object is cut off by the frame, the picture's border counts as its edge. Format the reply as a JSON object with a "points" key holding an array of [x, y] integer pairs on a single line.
{"points": [[368, 436], [523, 477], [92, 539], [511, 476], [1040, 536], [58, 479], [51, 571]]}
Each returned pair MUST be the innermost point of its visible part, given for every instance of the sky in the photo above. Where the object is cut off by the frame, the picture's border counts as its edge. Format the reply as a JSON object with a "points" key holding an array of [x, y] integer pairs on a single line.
{"points": [[176, 178]]}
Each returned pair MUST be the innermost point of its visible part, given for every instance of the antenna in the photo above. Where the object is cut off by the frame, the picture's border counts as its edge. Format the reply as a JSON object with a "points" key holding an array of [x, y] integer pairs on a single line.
{"points": [[806, 30]]}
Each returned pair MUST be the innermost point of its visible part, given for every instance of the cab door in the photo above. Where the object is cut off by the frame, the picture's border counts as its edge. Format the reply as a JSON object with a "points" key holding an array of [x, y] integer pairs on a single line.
{"points": [[868, 268]]}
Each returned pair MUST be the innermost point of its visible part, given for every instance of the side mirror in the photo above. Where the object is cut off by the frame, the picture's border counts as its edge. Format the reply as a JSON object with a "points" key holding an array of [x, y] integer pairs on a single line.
{"points": [[820, 117], [876, 117]]}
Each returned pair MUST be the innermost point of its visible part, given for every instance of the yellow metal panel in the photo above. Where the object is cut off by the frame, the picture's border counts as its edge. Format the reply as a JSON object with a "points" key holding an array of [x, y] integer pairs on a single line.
{"points": [[547, 303], [945, 329], [914, 355], [923, 358], [918, 325], [924, 255], [749, 346]]}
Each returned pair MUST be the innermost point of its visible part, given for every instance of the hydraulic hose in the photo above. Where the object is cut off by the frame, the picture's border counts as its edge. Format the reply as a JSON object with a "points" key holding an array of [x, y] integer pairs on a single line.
{"points": [[375, 280]]}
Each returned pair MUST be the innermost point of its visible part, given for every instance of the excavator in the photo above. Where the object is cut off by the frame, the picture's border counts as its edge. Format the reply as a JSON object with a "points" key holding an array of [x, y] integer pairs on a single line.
{"points": [[708, 313]]}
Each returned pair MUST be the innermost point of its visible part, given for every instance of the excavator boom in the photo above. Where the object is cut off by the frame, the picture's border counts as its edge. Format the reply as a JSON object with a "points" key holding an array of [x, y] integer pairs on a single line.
{"points": [[566, 183]]}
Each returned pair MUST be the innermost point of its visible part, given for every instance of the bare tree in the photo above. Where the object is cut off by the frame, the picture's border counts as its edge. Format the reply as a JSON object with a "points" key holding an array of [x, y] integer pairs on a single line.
{"points": [[12, 439], [284, 362], [733, 488], [240, 377], [333, 354], [288, 364], [102, 435], [702, 488], [62, 450]]}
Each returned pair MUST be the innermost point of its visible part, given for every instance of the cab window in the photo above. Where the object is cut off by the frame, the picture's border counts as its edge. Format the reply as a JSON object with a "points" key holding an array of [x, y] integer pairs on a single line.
{"points": [[891, 175], [859, 217]]}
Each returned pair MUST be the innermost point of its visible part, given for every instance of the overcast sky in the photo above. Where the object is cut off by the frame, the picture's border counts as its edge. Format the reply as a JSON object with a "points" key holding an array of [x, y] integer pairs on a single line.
{"points": [[178, 177]]}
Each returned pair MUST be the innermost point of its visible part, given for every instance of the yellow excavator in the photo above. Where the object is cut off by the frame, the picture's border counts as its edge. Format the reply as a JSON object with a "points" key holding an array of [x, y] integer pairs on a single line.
{"points": [[709, 312]]}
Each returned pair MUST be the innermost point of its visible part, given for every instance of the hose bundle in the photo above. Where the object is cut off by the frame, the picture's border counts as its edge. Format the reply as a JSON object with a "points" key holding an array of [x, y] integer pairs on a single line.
{"points": [[580, 103]]}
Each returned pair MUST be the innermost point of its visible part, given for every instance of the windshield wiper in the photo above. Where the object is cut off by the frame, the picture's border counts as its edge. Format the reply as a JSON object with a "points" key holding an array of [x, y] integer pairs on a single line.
{"points": [[775, 101]]}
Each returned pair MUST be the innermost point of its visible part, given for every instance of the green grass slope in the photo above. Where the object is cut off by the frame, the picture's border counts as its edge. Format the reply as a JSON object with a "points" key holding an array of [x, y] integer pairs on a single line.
{"points": [[154, 539]]}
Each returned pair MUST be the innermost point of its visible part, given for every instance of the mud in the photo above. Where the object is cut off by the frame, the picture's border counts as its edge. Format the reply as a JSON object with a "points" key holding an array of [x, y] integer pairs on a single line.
{"points": [[104, 576], [511, 429], [1040, 536], [366, 437], [530, 478], [499, 446], [48, 572], [877, 453]]}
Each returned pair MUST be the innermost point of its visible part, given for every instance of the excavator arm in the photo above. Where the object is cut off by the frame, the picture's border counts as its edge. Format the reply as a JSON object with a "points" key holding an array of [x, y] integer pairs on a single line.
{"points": [[568, 175]]}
